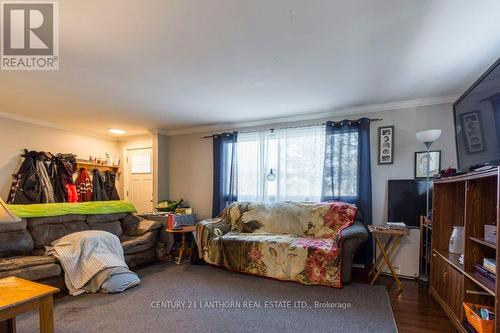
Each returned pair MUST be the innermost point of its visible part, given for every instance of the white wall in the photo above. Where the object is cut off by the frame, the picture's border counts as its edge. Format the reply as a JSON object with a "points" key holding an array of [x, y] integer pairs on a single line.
{"points": [[190, 157], [407, 123], [16, 135], [161, 168], [190, 171]]}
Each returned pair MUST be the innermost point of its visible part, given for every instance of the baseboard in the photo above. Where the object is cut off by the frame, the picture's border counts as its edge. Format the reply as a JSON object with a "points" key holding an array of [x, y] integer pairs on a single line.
{"points": [[454, 320]]}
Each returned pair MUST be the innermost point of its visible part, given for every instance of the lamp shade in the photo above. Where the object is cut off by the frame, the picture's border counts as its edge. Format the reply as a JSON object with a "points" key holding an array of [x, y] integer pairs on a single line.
{"points": [[429, 135], [6, 215]]}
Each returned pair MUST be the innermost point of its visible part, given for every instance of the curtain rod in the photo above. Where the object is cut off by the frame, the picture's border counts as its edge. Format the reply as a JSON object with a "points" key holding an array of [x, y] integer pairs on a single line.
{"points": [[284, 127]]}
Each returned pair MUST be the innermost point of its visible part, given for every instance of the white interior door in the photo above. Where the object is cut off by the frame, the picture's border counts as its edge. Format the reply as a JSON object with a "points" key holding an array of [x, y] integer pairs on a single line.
{"points": [[139, 182]]}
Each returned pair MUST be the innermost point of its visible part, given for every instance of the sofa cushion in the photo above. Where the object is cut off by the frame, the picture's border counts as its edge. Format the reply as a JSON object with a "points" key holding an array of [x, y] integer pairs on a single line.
{"points": [[44, 234], [15, 243], [139, 248], [130, 223], [56, 219], [34, 273], [12, 226], [301, 219], [308, 260], [113, 227], [147, 225], [288, 242], [130, 242], [105, 217], [140, 258], [136, 226], [13, 263], [120, 280], [285, 218], [72, 227]]}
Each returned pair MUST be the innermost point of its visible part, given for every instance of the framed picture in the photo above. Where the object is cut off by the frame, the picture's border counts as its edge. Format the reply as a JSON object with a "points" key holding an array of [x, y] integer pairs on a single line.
{"points": [[421, 163], [385, 145], [472, 132]]}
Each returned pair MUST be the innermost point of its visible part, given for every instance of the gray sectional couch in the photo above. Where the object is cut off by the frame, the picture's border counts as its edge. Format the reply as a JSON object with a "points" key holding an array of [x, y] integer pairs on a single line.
{"points": [[22, 243]]}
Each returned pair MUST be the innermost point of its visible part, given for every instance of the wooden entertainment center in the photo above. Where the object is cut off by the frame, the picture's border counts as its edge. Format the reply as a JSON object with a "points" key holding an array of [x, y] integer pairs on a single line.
{"points": [[470, 200]]}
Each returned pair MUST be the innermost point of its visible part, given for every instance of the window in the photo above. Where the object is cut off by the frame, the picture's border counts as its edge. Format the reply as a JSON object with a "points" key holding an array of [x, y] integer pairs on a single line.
{"points": [[341, 173], [140, 162], [294, 157]]}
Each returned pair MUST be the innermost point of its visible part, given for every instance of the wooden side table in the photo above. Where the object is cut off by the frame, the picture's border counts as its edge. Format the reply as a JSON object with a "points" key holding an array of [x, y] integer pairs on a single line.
{"points": [[18, 296], [182, 230], [386, 251]]}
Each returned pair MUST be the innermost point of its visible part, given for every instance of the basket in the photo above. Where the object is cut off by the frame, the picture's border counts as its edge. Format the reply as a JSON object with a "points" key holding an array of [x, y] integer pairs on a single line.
{"points": [[482, 326]]}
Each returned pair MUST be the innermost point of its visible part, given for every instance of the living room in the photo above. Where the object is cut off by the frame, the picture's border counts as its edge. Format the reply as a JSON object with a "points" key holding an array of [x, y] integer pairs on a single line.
{"points": [[230, 165]]}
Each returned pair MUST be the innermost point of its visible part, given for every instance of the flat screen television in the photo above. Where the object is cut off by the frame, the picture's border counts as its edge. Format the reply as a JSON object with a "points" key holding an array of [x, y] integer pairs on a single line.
{"points": [[477, 122], [407, 200]]}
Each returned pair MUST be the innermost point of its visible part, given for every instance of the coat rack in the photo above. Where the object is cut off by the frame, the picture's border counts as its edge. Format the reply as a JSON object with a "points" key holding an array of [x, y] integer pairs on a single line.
{"points": [[101, 167]]}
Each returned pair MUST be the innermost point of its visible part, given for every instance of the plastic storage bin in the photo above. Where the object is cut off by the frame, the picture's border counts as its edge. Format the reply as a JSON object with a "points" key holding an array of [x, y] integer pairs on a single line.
{"points": [[482, 326]]}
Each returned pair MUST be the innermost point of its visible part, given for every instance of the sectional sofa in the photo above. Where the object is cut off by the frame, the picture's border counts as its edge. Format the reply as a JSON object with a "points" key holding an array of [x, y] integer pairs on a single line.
{"points": [[22, 243]]}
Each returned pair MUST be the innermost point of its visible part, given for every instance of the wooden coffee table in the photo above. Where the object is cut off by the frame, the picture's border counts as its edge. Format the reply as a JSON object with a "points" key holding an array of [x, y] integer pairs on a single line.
{"points": [[182, 230], [18, 296]]}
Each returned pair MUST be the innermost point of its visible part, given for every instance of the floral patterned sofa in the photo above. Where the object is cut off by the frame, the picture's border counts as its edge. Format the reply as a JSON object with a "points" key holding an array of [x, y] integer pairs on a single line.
{"points": [[308, 243]]}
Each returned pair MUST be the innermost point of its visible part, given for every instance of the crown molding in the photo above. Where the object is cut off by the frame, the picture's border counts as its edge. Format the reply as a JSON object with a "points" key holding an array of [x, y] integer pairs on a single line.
{"points": [[53, 125], [217, 127], [303, 117]]}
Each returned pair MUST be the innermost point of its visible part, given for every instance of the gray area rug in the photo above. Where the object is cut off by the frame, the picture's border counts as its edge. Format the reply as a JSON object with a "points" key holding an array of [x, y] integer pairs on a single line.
{"points": [[190, 298]]}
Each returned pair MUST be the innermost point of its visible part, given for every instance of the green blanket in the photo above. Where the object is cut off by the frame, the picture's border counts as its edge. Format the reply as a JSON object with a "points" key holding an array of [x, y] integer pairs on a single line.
{"points": [[79, 208]]}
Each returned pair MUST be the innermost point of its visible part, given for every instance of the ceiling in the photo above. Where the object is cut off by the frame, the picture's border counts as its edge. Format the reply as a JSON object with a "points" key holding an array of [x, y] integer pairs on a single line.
{"points": [[170, 65]]}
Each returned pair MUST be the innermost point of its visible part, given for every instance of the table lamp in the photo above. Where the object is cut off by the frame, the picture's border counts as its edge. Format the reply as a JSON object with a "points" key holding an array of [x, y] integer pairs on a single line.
{"points": [[6, 215]]}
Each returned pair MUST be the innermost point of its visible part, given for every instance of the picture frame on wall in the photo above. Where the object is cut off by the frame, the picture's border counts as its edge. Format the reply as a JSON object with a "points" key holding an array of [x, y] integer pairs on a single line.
{"points": [[421, 164], [472, 132], [385, 145]]}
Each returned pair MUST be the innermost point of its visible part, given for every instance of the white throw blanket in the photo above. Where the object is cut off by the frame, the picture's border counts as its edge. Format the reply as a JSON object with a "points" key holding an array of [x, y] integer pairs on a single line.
{"points": [[84, 254]]}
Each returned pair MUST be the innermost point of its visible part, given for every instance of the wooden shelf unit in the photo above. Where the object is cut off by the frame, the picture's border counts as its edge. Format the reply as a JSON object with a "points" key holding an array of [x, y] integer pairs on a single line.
{"points": [[471, 201], [91, 166]]}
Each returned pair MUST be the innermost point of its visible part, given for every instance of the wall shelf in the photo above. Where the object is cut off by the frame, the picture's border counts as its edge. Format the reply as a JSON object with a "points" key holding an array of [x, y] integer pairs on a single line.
{"points": [[100, 167], [484, 242]]}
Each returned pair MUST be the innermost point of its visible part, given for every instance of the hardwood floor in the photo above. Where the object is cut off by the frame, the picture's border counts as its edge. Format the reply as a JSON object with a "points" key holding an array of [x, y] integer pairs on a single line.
{"points": [[414, 308]]}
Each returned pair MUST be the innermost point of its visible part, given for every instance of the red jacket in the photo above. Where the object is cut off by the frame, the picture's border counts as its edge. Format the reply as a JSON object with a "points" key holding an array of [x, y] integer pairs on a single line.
{"points": [[84, 186]]}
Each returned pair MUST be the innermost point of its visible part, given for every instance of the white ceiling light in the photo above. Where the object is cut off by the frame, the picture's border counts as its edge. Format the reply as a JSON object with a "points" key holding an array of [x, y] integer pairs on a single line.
{"points": [[116, 131]]}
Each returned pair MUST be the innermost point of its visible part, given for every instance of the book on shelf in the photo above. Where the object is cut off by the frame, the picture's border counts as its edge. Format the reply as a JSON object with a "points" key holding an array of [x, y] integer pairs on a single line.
{"points": [[479, 269], [490, 265]]}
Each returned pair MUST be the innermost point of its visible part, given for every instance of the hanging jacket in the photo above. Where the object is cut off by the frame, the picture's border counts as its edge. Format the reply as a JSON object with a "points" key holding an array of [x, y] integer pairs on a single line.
{"points": [[110, 186], [25, 187], [72, 194], [84, 186], [60, 192], [45, 183], [65, 171], [14, 186], [99, 189]]}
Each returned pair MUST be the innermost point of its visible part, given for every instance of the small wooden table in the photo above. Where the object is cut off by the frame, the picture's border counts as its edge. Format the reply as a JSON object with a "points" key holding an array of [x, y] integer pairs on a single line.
{"points": [[386, 251], [182, 230], [18, 296]]}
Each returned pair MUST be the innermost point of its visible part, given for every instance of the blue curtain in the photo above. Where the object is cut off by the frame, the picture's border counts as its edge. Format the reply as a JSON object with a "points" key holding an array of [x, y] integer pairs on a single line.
{"points": [[225, 182], [347, 144]]}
